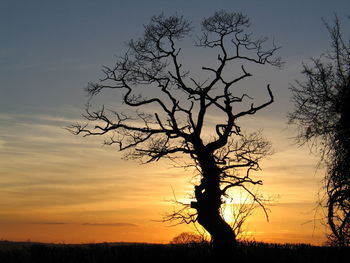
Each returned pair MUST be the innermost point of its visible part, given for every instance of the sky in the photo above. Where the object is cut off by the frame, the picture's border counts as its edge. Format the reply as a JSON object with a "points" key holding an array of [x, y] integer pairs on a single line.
{"points": [[56, 187]]}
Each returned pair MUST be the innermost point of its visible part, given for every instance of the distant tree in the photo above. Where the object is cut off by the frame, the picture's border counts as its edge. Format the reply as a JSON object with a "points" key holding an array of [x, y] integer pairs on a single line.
{"points": [[188, 238], [171, 109], [322, 113]]}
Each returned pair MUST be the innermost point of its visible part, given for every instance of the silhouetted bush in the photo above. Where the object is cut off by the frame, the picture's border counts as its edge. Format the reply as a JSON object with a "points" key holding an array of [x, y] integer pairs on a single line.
{"points": [[188, 238]]}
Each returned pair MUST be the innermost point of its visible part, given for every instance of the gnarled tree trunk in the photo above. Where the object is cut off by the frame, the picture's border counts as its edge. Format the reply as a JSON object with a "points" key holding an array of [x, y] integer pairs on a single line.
{"points": [[208, 195]]}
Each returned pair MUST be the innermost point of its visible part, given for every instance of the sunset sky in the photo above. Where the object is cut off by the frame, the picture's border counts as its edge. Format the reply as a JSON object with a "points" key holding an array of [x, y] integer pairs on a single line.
{"points": [[56, 187]]}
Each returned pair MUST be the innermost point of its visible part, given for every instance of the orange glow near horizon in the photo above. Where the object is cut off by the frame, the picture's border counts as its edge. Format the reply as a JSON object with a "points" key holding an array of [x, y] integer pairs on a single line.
{"points": [[74, 191], [285, 226]]}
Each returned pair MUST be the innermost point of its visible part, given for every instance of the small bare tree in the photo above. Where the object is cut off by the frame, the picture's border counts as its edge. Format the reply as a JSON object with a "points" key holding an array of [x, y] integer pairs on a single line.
{"points": [[240, 209], [322, 114], [172, 122], [188, 238]]}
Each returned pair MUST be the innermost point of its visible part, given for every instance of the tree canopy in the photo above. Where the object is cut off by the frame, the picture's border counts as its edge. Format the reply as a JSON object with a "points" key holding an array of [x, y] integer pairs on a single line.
{"points": [[322, 115], [172, 108]]}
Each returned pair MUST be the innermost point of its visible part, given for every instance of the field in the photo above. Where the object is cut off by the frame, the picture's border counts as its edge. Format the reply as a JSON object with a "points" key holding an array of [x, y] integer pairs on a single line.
{"points": [[25, 252]]}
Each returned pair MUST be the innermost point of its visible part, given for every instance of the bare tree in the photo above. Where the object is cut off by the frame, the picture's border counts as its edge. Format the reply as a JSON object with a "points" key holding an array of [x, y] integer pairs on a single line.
{"points": [[322, 114], [173, 121]]}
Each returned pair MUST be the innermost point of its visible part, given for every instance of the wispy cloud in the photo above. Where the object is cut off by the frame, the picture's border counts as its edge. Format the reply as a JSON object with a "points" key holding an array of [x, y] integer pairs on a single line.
{"points": [[111, 224], [49, 175], [50, 223]]}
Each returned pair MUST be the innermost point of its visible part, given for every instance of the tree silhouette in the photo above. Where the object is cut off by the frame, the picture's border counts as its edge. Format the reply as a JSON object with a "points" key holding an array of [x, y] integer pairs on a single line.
{"points": [[188, 238], [322, 114], [173, 121]]}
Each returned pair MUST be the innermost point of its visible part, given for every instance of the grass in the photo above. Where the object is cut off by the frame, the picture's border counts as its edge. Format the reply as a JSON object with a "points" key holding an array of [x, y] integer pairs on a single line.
{"points": [[28, 252]]}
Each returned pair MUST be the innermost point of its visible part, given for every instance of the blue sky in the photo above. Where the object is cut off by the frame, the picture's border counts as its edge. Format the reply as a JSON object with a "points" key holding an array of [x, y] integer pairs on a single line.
{"points": [[50, 50]]}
